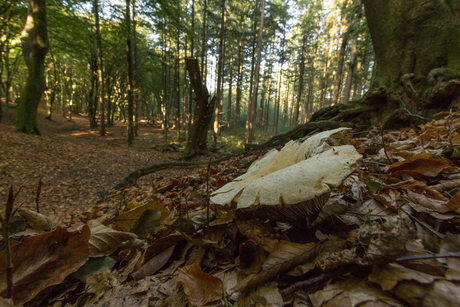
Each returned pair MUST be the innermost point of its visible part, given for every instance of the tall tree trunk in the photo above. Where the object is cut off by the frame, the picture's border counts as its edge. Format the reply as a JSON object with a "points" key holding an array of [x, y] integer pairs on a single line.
{"points": [[34, 39], [216, 128], [203, 45], [338, 77], [130, 75], [239, 84], [230, 88], [303, 54], [256, 77], [310, 97], [135, 75], [351, 68], [251, 80], [192, 45], [176, 86], [100, 68], [325, 80]]}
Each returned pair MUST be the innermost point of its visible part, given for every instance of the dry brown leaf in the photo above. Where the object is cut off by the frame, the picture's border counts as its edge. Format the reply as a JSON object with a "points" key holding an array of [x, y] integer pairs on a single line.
{"points": [[388, 276], [454, 203], [36, 220], [286, 256], [200, 287], [127, 219], [154, 264], [251, 257], [44, 260], [105, 240], [418, 167]]}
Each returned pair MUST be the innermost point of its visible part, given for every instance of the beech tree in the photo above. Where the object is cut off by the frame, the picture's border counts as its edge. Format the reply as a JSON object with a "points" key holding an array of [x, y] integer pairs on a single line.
{"points": [[35, 45]]}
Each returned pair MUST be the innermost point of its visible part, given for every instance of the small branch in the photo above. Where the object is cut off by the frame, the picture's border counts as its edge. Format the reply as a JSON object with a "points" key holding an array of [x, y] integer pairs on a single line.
{"points": [[408, 112], [383, 142], [37, 197], [207, 194], [418, 257], [304, 284], [9, 263], [131, 179]]}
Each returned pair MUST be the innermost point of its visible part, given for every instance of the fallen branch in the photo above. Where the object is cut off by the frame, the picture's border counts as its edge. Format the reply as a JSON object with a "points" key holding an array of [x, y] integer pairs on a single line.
{"points": [[300, 130], [131, 179]]}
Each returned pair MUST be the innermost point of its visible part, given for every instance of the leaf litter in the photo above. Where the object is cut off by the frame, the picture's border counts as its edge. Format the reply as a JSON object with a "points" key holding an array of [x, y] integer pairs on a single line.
{"points": [[387, 234]]}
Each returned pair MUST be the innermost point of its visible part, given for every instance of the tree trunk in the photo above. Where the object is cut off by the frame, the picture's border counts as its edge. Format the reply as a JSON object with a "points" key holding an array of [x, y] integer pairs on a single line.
{"points": [[256, 77], [422, 39], [100, 69], [34, 39], [251, 80], [230, 88], [303, 53], [192, 38], [351, 68], [203, 44], [196, 143], [239, 84], [135, 75], [130, 76], [325, 75], [220, 64]]}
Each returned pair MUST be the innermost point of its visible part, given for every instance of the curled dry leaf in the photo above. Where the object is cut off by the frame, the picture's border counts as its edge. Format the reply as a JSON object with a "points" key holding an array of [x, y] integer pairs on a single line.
{"points": [[44, 260], [105, 240], [251, 257], [200, 287], [36, 220]]}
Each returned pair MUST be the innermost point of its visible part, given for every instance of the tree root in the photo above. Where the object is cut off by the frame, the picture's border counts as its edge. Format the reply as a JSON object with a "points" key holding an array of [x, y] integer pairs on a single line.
{"points": [[300, 131], [131, 179]]}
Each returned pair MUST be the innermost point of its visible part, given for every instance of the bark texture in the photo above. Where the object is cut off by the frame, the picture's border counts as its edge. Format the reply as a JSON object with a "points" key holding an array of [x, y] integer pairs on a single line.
{"points": [[416, 45], [34, 39]]}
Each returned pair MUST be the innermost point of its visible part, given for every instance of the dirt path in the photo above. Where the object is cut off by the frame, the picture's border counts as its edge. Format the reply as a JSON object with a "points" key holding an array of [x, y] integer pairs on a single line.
{"points": [[73, 161]]}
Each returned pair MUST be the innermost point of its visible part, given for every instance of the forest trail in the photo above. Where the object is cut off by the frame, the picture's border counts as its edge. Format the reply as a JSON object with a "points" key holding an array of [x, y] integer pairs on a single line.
{"points": [[73, 161]]}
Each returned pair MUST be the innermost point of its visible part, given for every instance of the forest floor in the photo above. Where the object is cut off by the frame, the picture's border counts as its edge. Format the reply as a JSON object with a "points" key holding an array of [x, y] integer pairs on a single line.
{"points": [[74, 163]]}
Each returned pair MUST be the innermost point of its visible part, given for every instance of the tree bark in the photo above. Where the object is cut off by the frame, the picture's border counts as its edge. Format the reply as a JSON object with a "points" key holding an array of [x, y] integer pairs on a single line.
{"points": [[34, 39], [303, 53], [351, 68], [100, 68], [196, 143], [220, 64], [239, 84], [256, 76], [130, 75]]}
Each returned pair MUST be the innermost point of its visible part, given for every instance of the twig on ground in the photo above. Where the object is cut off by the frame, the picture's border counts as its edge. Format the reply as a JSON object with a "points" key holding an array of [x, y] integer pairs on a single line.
{"points": [[37, 197], [408, 112], [9, 263], [419, 257], [207, 194], [384, 145]]}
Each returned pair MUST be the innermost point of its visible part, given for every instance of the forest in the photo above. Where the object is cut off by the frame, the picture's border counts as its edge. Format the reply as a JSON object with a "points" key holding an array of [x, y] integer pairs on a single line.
{"points": [[229, 153]]}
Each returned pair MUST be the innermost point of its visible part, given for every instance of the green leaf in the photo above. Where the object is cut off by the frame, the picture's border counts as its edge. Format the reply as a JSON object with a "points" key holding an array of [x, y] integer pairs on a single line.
{"points": [[374, 186], [93, 266], [148, 220]]}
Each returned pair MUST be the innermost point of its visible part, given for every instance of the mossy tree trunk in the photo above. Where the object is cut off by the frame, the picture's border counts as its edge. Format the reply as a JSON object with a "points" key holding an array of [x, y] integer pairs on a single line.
{"points": [[34, 39], [416, 47]]}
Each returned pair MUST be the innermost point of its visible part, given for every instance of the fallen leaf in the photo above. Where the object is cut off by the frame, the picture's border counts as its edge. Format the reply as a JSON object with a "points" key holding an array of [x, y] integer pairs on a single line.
{"points": [[418, 168], [251, 257], [128, 219], [105, 240], [36, 220], [154, 264], [285, 257], [44, 260], [200, 287]]}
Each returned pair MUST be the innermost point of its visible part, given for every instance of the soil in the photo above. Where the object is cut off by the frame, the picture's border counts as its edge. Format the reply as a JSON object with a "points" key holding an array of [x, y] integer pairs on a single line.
{"points": [[75, 164]]}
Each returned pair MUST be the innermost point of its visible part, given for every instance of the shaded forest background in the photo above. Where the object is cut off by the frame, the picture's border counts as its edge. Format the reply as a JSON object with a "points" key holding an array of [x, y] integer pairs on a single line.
{"points": [[314, 54]]}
